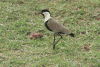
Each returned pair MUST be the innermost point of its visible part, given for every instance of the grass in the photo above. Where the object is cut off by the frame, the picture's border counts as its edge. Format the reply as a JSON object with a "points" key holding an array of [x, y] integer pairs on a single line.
{"points": [[18, 18]]}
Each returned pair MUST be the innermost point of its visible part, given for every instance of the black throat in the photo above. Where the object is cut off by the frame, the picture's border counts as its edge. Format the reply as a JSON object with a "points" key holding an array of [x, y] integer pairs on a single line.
{"points": [[47, 26]]}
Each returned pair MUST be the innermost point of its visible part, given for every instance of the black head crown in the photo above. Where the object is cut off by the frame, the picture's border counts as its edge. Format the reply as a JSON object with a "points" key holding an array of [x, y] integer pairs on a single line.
{"points": [[45, 10]]}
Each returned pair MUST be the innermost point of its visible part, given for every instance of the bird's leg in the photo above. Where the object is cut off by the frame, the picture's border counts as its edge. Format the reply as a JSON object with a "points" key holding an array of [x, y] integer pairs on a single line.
{"points": [[54, 38], [56, 42], [59, 39]]}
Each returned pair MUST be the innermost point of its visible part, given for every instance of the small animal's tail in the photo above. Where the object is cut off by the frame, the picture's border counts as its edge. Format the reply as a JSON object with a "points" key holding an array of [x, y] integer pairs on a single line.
{"points": [[71, 34]]}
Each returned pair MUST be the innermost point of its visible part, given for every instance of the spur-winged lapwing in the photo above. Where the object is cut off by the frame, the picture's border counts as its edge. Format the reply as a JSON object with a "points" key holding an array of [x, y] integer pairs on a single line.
{"points": [[54, 26]]}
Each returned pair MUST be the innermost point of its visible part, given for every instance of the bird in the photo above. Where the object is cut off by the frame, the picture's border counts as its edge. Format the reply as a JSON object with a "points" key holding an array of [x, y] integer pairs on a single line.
{"points": [[53, 25]]}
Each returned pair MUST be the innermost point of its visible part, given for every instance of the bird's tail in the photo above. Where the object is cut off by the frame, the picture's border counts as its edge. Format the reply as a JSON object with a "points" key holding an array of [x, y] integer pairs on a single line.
{"points": [[67, 31], [71, 34]]}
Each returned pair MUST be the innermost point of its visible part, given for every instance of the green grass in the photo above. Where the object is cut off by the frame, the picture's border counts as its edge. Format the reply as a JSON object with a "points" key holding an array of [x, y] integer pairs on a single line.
{"points": [[18, 18]]}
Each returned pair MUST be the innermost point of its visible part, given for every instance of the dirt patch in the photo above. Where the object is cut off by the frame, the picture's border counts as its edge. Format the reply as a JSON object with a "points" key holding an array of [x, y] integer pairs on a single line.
{"points": [[35, 35]]}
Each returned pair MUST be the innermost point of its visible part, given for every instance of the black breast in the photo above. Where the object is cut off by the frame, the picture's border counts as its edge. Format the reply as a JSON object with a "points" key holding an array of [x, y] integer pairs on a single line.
{"points": [[47, 26]]}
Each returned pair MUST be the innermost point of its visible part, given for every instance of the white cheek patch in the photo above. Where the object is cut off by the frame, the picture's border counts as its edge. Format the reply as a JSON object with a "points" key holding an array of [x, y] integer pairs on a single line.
{"points": [[45, 13], [47, 16]]}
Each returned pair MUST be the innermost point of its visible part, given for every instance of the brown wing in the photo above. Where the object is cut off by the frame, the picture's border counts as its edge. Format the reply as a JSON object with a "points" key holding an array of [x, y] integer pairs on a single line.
{"points": [[57, 27]]}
